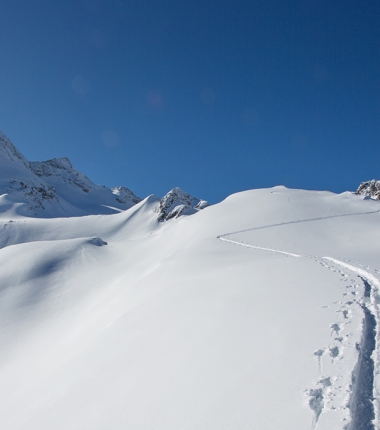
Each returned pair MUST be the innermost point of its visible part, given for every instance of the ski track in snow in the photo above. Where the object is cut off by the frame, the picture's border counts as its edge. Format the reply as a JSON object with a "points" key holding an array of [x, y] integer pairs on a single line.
{"points": [[223, 237], [364, 391], [258, 247]]}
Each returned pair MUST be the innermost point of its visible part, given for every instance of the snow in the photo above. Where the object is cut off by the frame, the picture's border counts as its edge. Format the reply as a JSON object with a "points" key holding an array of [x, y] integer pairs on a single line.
{"points": [[245, 315], [53, 188], [260, 312]]}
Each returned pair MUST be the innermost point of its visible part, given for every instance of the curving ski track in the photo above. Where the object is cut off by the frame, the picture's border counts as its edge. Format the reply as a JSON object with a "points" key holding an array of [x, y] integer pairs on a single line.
{"points": [[223, 237], [364, 402], [277, 251]]}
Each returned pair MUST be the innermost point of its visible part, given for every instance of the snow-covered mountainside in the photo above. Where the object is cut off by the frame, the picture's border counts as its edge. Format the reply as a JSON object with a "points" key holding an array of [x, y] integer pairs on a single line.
{"points": [[63, 169], [261, 312], [370, 189], [53, 188], [125, 195]]}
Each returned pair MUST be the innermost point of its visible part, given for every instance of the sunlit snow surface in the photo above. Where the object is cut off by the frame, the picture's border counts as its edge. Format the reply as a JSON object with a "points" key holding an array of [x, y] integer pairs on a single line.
{"points": [[250, 314]]}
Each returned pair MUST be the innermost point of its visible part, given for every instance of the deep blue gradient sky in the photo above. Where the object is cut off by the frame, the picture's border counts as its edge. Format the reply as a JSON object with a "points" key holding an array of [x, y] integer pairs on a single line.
{"points": [[211, 96]]}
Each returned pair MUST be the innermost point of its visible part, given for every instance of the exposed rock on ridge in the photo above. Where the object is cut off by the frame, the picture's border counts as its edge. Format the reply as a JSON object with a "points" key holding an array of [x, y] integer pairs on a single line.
{"points": [[176, 203], [54, 188], [369, 189]]}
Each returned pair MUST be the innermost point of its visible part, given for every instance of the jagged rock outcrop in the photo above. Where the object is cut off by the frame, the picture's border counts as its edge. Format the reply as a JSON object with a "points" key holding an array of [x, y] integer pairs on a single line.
{"points": [[176, 203], [369, 189]]}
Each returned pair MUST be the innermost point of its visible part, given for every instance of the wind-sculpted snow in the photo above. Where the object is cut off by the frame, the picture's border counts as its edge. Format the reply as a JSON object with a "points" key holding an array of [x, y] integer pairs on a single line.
{"points": [[123, 322]]}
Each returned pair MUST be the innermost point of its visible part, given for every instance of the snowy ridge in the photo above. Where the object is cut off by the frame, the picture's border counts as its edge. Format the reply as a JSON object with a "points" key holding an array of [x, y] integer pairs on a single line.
{"points": [[125, 195], [10, 151]]}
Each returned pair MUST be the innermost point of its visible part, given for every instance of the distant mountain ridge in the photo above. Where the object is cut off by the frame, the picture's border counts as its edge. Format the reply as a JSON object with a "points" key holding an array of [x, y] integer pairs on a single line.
{"points": [[55, 188]]}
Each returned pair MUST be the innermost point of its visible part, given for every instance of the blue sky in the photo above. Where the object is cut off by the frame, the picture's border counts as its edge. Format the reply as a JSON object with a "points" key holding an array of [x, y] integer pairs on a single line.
{"points": [[212, 96]]}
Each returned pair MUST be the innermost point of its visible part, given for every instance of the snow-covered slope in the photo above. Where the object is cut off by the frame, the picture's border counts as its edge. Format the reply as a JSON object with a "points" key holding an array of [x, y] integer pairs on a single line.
{"points": [[53, 188], [261, 312]]}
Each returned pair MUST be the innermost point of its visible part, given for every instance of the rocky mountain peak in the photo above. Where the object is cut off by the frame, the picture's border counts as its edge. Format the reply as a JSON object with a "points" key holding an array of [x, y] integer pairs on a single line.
{"points": [[54, 188], [369, 189], [177, 202]]}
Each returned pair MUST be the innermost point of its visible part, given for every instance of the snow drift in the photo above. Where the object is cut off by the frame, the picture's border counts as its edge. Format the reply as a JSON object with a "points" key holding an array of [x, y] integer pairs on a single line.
{"points": [[260, 312]]}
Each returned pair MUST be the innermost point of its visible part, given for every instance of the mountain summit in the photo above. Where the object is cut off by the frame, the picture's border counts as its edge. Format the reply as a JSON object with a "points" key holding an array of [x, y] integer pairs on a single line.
{"points": [[176, 203], [53, 188]]}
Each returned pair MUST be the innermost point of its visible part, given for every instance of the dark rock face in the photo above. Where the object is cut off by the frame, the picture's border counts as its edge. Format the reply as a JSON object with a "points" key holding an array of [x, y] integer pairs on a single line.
{"points": [[36, 195], [176, 203], [369, 189]]}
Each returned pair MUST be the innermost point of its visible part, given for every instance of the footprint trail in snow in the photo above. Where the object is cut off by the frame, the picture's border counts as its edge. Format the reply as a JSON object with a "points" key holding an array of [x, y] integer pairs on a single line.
{"points": [[360, 398]]}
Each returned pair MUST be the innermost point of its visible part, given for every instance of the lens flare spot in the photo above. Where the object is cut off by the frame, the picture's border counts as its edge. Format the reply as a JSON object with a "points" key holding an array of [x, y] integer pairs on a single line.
{"points": [[80, 85], [208, 97], [110, 139], [155, 99]]}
